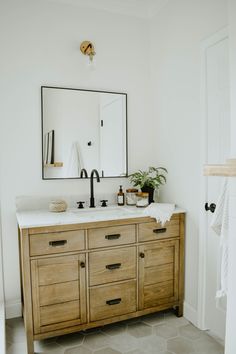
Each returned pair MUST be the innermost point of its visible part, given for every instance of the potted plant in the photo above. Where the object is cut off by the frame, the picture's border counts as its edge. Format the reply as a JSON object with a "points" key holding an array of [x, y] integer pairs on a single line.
{"points": [[149, 180]]}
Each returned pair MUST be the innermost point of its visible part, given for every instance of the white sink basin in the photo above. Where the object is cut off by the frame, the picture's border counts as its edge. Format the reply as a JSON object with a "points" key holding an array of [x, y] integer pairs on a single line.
{"points": [[106, 213]]}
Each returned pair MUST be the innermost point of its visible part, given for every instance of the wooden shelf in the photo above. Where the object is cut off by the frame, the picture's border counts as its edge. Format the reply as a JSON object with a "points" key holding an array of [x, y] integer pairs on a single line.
{"points": [[225, 170], [55, 164]]}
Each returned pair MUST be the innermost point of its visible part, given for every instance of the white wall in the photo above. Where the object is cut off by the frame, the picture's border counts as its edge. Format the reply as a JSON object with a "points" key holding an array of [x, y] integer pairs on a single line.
{"points": [[230, 347], [176, 36], [40, 43]]}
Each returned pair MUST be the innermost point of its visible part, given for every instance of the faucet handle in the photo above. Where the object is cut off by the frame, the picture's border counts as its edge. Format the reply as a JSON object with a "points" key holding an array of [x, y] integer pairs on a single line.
{"points": [[104, 202], [80, 206]]}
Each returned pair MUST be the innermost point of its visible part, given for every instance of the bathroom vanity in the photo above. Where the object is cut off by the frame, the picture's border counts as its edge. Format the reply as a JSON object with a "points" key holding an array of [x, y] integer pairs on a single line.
{"points": [[79, 270]]}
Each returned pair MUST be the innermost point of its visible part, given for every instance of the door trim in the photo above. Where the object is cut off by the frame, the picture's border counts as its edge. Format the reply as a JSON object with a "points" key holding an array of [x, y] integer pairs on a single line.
{"points": [[207, 43]]}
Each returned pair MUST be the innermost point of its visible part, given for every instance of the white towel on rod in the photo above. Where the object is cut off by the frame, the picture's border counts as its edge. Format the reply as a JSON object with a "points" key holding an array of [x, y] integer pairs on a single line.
{"points": [[162, 212], [220, 224]]}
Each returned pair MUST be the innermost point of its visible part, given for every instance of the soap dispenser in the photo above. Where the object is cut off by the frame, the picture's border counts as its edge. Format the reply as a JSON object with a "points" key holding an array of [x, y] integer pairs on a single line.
{"points": [[120, 197]]}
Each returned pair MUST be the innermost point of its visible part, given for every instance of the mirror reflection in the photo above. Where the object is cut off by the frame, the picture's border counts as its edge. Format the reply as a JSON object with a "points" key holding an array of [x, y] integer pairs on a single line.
{"points": [[83, 129]]}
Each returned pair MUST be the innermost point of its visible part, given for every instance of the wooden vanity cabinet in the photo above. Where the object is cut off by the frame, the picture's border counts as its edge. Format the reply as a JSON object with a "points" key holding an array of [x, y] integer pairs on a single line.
{"points": [[76, 277]]}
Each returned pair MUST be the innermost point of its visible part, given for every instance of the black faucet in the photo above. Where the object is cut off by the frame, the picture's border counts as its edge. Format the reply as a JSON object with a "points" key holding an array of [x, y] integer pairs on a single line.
{"points": [[94, 172], [83, 172]]}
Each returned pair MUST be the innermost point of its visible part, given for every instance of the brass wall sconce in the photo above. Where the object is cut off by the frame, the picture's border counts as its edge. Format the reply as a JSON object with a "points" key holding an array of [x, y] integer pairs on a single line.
{"points": [[87, 48]]}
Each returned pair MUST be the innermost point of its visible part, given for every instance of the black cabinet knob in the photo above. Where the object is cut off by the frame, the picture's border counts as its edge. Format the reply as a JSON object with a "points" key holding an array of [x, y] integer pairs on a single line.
{"points": [[142, 255], [82, 264], [212, 207]]}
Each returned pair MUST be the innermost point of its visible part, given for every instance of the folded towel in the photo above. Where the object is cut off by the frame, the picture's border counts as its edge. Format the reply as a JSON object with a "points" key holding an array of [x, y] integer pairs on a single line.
{"points": [[162, 212], [220, 224]]}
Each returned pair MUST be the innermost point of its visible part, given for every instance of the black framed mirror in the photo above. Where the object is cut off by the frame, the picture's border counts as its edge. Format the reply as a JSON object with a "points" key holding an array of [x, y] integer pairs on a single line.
{"points": [[83, 129]]}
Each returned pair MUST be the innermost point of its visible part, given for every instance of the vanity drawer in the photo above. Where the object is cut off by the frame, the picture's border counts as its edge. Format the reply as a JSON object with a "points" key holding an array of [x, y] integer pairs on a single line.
{"points": [[112, 300], [112, 265], [57, 242], [111, 236], [151, 231]]}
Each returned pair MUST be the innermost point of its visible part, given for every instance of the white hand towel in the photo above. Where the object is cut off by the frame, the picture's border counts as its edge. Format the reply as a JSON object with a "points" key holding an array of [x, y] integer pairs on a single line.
{"points": [[162, 212], [220, 224]]}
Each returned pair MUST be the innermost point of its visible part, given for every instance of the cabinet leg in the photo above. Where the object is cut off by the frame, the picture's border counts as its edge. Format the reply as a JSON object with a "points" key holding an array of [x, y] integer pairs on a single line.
{"points": [[179, 310], [30, 345]]}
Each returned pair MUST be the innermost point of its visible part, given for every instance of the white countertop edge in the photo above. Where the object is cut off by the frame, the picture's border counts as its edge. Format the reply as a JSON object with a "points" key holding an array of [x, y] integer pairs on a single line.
{"points": [[40, 218]]}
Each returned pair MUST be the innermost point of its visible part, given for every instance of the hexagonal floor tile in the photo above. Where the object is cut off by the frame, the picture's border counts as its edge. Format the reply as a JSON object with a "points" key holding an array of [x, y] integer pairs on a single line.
{"points": [[43, 346], [96, 341], [176, 321], [208, 345], [139, 330], [107, 351], [70, 340], [113, 330], [180, 345], [153, 319], [123, 342], [78, 350], [166, 331], [152, 344], [190, 332], [135, 351]]}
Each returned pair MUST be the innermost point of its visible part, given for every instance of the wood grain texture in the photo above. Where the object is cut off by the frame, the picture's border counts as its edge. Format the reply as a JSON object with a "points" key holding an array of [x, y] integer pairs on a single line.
{"points": [[40, 244], [158, 273], [57, 269], [71, 289], [97, 237], [99, 261], [58, 293], [126, 292], [26, 283], [59, 313], [171, 229]]}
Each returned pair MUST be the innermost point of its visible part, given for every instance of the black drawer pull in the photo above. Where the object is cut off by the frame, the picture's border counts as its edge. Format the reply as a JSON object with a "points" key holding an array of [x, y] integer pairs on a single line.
{"points": [[113, 302], [112, 237], [57, 243], [113, 266], [160, 231]]}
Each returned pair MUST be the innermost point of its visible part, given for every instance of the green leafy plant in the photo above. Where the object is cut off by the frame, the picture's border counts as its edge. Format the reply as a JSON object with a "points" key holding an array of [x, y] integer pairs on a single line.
{"points": [[153, 177]]}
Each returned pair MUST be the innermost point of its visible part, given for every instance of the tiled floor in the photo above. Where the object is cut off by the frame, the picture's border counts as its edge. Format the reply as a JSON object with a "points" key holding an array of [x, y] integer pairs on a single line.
{"points": [[161, 333]]}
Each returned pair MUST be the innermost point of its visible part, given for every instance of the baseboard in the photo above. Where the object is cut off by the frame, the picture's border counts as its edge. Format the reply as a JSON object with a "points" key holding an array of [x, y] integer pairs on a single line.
{"points": [[13, 309], [2, 329], [190, 313]]}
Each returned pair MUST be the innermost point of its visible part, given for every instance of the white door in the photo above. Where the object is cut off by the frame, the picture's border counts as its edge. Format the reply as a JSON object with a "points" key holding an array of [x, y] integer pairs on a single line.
{"points": [[112, 138], [217, 151]]}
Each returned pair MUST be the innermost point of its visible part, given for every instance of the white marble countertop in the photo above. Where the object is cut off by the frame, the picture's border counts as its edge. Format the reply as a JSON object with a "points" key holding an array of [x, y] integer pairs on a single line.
{"points": [[41, 218]]}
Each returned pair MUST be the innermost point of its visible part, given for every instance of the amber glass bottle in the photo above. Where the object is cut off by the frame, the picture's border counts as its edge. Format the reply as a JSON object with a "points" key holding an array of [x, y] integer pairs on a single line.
{"points": [[120, 197]]}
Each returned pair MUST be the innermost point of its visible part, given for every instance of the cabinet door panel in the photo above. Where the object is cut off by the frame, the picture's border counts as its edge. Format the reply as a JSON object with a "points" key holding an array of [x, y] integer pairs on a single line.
{"points": [[162, 273], [158, 273], [59, 292], [59, 313]]}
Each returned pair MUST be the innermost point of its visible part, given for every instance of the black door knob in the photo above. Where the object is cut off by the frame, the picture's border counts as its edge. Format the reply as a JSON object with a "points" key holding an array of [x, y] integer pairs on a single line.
{"points": [[212, 207]]}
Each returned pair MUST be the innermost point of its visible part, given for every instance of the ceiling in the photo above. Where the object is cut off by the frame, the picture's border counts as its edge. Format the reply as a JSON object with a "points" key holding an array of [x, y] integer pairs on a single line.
{"points": [[136, 8]]}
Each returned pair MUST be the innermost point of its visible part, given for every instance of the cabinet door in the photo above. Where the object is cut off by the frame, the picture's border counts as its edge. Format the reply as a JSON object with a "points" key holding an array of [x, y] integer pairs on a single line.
{"points": [[158, 273], [58, 292]]}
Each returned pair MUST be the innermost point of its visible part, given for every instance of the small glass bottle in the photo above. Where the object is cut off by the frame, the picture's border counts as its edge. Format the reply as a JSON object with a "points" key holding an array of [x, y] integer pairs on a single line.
{"points": [[131, 196], [142, 199], [120, 197]]}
